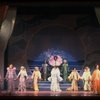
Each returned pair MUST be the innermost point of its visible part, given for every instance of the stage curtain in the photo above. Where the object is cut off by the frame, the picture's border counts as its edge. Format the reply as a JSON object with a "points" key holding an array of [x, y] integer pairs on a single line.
{"points": [[3, 12]]}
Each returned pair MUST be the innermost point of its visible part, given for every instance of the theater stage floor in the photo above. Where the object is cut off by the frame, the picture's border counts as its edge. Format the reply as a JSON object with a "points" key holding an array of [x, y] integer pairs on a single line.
{"points": [[50, 93]]}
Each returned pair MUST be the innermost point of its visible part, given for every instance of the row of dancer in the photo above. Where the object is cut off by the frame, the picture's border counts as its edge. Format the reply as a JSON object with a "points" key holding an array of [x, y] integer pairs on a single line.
{"points": [[36, 76], [22, 76], [91, 80]]}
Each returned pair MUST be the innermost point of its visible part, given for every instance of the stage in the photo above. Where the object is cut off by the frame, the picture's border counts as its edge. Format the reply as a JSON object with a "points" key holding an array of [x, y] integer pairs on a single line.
{"points": [[49, 93]]}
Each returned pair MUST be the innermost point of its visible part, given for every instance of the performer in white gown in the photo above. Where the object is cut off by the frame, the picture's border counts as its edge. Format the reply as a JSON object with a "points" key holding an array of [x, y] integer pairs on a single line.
{"points": [[55, 79]]}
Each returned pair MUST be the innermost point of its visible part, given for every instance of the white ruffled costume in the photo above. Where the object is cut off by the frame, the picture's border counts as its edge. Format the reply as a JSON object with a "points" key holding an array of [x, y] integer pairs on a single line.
{"points": [[55, 79], [22, 80]]}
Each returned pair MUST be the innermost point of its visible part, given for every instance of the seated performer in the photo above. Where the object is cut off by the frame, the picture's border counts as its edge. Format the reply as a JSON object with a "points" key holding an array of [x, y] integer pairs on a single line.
{"points": [[22, 75], [74, 77], [36, 75]]}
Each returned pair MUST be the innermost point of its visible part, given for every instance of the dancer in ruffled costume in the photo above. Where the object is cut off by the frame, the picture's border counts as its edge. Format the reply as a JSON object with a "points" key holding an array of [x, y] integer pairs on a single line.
{"points": [[86, 77], [36, 76], [96, 80], [74, 78], [22, 75], [11, 77]]}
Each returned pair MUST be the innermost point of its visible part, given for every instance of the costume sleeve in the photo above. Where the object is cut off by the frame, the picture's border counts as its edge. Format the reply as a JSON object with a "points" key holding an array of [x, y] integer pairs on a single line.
{"points": [[58, 75], [93, 75], [70, 76], [49, 78], [32, 75], [78, 76], [18, 74], [39, 75], [26, 74], [83, 75], [99, 75]]}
